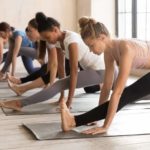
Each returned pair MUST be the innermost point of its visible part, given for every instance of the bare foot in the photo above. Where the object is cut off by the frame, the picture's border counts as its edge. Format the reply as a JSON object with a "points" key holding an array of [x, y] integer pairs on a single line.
{"points": [[15, 88], [13, 79], [13, 104], [68, 121]]}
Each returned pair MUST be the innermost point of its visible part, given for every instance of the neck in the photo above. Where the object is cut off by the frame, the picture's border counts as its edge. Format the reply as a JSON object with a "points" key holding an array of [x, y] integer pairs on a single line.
{"points": [[110, 44]]}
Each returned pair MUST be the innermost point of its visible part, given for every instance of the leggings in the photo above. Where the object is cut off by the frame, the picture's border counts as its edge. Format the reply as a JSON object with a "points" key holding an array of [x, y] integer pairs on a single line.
{"points": [[24, 51], [42, 72], [132, 93], [33, 76], [93, 78]]}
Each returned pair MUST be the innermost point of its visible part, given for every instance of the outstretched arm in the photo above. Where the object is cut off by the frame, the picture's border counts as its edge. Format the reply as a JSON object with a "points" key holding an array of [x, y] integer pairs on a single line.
{"points": [[17, 45], [61, 68], [73, 59], [52, 64], [124, 69]]}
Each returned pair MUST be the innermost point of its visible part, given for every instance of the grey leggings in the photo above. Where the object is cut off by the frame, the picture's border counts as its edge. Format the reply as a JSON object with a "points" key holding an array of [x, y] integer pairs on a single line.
{"points": [[85, 78], [24, 51]]}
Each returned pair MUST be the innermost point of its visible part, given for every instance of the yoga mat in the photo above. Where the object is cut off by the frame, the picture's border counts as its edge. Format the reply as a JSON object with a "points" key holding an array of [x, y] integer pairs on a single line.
{"points": [[127, 124], [51, 108], [78, 106]]}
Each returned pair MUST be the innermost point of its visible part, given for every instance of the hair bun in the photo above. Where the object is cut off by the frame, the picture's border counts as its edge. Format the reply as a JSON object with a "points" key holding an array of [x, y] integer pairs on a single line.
{"points": [[40, 17], [85, 21]]}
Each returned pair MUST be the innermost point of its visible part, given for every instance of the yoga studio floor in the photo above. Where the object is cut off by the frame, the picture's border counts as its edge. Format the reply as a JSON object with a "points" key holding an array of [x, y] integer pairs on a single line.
{"points": [[13, 136]]}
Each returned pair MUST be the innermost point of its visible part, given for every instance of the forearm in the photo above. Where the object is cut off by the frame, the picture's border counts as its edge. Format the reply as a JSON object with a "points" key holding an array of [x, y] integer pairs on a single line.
{"points": [[61, 73], [104, 95], [14, 60], [112, 109], [53, 72], [72, 87]]}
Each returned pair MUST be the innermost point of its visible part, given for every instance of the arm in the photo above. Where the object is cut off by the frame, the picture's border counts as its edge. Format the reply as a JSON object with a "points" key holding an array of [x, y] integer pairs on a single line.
{"points": [[1, 49], [73, 58], [16, 49], [108, 78], [124, 70], [61, 68], [52, 64]]}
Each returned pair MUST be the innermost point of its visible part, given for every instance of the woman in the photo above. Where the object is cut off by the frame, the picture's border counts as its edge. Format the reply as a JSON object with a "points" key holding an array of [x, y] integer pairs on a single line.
{"points": [[16, 39], [127, 54], [69, 45]]}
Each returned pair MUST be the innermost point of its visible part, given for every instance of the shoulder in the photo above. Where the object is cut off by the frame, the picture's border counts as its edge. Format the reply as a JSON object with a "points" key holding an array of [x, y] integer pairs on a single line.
{"points": [[72, 37], [18, 33], [125, 45]]}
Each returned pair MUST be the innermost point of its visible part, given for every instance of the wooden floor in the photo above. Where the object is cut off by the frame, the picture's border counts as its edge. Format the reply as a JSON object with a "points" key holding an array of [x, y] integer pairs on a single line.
{"points": [[14, 137]]}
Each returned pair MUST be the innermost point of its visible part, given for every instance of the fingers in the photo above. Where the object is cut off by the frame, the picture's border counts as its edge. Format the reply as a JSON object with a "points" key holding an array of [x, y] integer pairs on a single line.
{"points": [[94, 131]]}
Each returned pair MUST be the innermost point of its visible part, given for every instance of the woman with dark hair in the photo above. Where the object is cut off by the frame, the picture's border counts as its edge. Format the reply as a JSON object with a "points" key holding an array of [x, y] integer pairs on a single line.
{"points": [[39, 53], [16, 39], [70, 45]]}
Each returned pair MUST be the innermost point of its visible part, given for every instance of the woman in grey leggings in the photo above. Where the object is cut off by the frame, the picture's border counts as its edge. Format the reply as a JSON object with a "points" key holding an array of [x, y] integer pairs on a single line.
{"points": [[90, 76], [62, 84]]}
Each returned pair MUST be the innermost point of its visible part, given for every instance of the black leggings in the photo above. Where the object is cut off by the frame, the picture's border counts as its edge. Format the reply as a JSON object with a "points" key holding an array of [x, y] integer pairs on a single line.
{"points": [[132, 93], [42, 72], [33, 76]]}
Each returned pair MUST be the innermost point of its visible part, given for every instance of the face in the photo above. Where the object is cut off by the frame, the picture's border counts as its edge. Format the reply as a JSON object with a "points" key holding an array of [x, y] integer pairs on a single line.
{"points": [[50, 36], [96, 45], [33, 33], [5, 35]]}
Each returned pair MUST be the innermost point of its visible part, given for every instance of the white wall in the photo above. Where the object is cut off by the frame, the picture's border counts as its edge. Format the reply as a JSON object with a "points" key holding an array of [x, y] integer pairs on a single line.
{"points": [[19, 12], [104, 11]]}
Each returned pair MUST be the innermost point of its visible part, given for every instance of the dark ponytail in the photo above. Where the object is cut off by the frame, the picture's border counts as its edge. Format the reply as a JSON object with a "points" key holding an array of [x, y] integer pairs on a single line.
{"points": [[45, 23]]}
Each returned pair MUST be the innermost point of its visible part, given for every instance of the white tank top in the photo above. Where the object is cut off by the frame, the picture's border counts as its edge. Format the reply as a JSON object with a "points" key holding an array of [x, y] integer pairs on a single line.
{"points": [[87, 59]]}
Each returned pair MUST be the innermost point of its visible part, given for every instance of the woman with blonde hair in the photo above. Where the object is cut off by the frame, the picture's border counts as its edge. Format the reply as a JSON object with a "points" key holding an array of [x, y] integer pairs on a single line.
{"points": [[127, 54]]}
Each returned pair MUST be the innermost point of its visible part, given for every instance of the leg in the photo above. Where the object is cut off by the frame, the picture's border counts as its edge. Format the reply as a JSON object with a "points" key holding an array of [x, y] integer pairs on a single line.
{"points": [[130, 94], [19, 90], [4, 56], [41, 72], [31, 77], [92, 89], [63, 84], [28, 64], [28, 54]]}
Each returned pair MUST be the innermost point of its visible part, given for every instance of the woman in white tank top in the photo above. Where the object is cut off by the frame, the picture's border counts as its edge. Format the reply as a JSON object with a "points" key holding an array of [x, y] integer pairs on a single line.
{"points": [[70, 45]]}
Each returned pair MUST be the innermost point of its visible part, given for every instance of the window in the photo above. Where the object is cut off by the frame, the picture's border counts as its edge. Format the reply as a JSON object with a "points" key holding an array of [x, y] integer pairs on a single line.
{"points": [[133, 19]]}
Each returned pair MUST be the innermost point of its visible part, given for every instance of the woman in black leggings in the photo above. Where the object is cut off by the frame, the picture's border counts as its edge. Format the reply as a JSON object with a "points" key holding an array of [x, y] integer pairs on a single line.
{"points": [[127, 54], [43, 75]]}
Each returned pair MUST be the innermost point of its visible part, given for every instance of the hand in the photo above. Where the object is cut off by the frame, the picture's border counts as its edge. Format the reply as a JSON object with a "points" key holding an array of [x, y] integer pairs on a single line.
{"points": [[95, 130]]}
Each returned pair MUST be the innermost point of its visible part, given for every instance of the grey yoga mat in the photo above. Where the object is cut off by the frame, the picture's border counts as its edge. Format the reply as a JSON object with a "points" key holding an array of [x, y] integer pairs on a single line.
{"points": [[52, 108], [130, 123], [78, 106]]}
